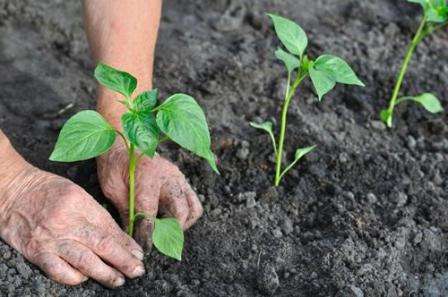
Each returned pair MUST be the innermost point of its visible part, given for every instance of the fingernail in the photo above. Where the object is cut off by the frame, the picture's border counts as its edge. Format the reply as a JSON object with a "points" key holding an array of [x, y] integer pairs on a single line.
{"points": [[139, 271], [84, 278], [138, 254], [118, 282]]}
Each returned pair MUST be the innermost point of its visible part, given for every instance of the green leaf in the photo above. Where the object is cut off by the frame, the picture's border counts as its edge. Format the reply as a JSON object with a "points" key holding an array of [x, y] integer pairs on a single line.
{"points": [[168, 237], [145, 101], [290, 34], [116, 80], [266, 126], [427, 100], [337, 69], [85, 135], [435, 10], [142, 131], [290, 61], [322, 82], [297, 156], [328, 70], [183, 121], [302, 152]]}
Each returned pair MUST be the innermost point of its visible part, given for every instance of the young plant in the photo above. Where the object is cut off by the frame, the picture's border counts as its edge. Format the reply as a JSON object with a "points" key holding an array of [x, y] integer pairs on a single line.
{"points": [[145, 124], [435, 16], [325, 72]]}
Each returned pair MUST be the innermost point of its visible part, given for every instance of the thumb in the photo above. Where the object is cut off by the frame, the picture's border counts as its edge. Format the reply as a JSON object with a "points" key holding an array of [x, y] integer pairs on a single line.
{"points": [[147, 202]]}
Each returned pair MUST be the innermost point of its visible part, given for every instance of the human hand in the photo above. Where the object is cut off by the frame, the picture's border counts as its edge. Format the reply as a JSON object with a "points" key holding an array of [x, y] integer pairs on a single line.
{"points": [[59, 227], [160, 187]]}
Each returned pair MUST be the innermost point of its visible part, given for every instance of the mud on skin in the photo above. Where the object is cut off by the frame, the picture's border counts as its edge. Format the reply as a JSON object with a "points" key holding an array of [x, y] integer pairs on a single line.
{"points": [[365, 215]]}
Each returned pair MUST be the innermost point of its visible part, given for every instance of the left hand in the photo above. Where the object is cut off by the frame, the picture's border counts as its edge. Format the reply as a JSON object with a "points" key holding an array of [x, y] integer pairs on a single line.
{"points": [[159, 187]]}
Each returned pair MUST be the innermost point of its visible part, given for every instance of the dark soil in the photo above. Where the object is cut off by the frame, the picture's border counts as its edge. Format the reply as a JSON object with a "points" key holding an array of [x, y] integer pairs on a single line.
{"points": [[364, 215]]}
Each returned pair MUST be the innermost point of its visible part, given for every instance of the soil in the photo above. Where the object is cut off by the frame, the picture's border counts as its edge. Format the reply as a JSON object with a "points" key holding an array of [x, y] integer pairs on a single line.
{"points": [[366, 214]]}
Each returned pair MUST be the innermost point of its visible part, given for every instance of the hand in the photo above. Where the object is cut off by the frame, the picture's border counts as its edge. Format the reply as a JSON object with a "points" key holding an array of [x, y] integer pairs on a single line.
{"points": [[160, 187], [59, 227]]}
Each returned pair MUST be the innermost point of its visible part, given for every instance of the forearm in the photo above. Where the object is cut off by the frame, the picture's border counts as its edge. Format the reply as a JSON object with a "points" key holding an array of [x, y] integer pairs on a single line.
{"points": [[122, 34]]}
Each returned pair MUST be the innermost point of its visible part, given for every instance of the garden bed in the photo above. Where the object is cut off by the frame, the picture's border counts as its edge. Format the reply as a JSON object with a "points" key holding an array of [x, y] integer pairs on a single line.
{"points": [[365, 214]]}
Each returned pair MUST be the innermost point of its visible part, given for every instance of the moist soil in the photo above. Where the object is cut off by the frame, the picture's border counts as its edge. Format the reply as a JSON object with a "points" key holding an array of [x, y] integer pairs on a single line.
{"points": [[366, 214]]}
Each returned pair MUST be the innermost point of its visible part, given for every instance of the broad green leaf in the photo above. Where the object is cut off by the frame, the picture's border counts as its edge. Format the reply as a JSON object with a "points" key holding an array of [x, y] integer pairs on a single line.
{"points": [[436, 15], [322, 82], [427, 100], [290, 34], [337, 69], [168, 237], [302, 152], [116, 80], [183, 121], [142, 131], [145, 101], [266, 126], [85, 135], [435, 10], [290, 61]]}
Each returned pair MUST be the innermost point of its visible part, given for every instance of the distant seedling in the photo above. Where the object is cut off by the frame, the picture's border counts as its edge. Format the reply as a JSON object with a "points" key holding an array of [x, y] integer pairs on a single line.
{"points": [[145, 124], [325, 72], [435, 16]]}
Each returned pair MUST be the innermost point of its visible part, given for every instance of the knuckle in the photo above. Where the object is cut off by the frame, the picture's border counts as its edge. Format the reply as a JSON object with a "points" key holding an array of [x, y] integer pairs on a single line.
{"points": [[106, 244], [83, 258]]}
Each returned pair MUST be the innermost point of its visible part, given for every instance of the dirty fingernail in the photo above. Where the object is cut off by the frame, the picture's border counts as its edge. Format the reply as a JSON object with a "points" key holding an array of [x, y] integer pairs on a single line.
{"points": [[139, 271], [84, 278], [118, 282], [138, 254]]}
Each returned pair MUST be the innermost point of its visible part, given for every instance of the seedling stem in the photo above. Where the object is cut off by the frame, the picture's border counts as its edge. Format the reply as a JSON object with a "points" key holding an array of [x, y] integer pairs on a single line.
{"points": [[290, 91], [132, 166], [404, 67]]}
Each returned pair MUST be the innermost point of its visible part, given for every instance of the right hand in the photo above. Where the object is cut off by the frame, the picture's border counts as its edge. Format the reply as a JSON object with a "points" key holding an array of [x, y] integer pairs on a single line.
{"points": [[59, 227]]}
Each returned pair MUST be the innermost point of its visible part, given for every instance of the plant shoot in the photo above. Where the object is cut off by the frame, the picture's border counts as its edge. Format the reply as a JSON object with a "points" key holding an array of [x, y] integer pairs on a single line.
{"points": [[145, 124], [435, 17], [324, 72]]}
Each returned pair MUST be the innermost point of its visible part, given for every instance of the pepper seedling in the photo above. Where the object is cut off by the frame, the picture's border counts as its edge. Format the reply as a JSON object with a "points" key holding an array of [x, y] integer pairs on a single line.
{"points": [[435, 16], [145, 125], [325, 72]]}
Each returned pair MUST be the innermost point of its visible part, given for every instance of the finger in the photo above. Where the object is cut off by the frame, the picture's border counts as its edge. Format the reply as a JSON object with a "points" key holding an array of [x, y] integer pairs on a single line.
{"points": [[148, 204], [59, 270], [196, 209], [83, 259], [173, 201], [109, 249], [121, 237], [126, 241]]}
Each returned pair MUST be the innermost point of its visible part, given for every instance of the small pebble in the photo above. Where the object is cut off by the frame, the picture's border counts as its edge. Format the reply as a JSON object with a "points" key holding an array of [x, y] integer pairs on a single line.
{"points": [[267, 280], [250, 202], [402, 199], [287, 226], [277, 233], [378, 125], [371, 198]]}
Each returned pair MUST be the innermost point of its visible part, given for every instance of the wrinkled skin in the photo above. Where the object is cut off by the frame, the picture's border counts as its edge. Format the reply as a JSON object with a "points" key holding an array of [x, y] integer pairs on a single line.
{"points": [[160, 187], [56, 225]]}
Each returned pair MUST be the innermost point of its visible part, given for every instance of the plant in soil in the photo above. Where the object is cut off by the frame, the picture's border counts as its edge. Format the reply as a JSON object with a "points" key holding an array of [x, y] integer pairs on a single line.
{"points": [[145, 125], [435, 17], [324, 72]]}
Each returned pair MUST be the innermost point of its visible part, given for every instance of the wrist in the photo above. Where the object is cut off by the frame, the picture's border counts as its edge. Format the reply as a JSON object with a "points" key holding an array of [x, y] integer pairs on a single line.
{"points": [[12, 166]]}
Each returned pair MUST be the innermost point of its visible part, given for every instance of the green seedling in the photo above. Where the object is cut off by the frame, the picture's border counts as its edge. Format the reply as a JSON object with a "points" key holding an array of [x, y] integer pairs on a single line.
{"points": [[435, 16], [145, 125], [325, 72]]}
